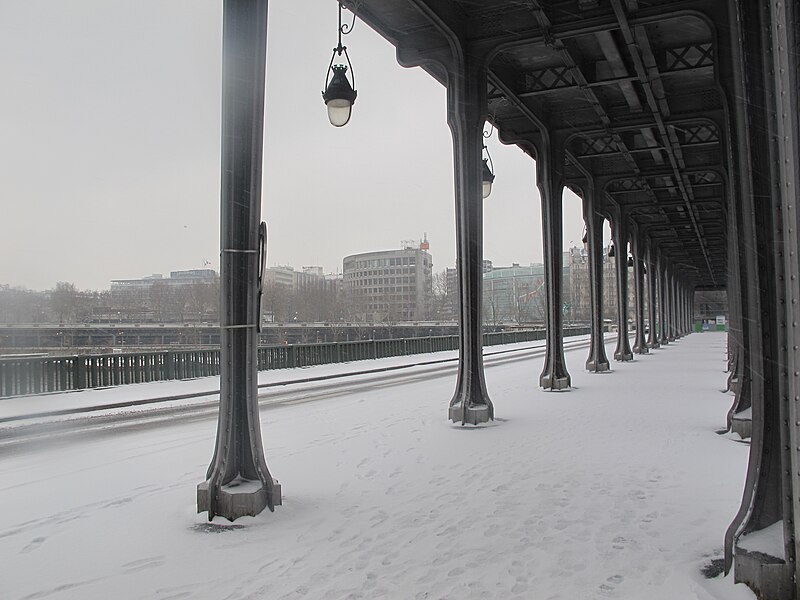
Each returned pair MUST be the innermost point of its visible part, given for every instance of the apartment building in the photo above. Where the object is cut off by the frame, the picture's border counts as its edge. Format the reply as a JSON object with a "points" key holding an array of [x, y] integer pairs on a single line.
{"points": [[389, 285]]}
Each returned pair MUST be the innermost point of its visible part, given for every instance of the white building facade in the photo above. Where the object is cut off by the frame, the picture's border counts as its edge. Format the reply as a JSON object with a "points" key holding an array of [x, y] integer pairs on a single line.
{"points": [[390, 285]]}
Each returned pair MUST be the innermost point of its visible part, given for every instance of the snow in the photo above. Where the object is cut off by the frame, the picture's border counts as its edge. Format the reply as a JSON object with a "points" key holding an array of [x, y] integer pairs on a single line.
{"points": [[768, 541], [745, 414], [618, 488], [35, 407], [244, 486]]}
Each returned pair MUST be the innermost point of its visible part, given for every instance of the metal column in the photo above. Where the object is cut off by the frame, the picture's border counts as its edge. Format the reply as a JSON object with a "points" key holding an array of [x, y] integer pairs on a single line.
{"points": [[466, 115], [652, 277], [661, 277], [767, 120], [597, 361], [670, 291], [619, 232], [550, 180], [238, 482], [637, 250]]}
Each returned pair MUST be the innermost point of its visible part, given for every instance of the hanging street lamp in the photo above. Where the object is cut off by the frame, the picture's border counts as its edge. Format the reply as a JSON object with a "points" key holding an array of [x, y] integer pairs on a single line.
{"points": [[340, 93], [611, 251], [487, 174]]}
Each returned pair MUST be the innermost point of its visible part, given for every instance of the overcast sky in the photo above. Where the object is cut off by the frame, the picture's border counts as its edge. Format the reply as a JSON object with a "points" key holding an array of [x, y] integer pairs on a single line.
{"points": [[109, 160]]}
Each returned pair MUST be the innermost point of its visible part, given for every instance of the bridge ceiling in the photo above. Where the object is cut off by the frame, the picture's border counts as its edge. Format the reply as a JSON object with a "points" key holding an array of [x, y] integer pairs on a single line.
{"points": [[630, 87]]}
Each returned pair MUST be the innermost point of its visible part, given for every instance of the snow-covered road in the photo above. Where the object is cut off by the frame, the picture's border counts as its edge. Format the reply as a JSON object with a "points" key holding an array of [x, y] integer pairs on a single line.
{"points": [[619, 488]]}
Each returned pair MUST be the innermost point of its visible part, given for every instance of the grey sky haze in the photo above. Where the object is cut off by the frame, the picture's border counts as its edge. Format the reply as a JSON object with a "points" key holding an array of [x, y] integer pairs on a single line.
{"points": [[109, 164]]}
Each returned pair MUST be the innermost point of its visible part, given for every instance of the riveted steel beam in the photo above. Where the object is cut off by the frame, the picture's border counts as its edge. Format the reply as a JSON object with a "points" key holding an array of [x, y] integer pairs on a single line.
{"points": [[639, 51]]}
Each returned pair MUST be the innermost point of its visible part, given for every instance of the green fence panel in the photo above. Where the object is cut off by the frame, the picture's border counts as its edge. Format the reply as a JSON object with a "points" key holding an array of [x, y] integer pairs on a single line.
{"points": [[33, 375]]}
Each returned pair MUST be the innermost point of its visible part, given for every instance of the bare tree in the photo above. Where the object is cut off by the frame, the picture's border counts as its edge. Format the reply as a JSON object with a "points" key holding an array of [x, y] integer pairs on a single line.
{"points": [[441, 300], [202, 300], [64, 301], [20, 305], [277, 302]]}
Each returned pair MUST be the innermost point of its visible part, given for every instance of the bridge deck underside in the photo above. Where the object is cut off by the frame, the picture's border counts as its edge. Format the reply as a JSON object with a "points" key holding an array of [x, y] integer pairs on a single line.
{"points": [[631, 89]]}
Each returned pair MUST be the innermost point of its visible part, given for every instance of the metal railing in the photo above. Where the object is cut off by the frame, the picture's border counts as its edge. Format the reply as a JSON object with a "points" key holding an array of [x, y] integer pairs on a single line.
{"points": [[40, 374]]}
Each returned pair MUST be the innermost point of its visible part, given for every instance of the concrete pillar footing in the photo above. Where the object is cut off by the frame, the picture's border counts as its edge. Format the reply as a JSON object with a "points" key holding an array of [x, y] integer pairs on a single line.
{"points": [[743, 425], [595, 367], [549, 382], [472, 415], [238, 498], [769, 577]]}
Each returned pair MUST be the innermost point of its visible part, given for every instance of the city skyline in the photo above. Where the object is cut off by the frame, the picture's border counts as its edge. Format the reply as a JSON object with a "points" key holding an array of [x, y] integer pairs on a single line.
{"points": [[117, 121]]}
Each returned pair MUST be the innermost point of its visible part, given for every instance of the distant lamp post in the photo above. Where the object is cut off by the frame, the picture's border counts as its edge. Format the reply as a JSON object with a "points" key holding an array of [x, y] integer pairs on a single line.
{"points": [[340, 93]]}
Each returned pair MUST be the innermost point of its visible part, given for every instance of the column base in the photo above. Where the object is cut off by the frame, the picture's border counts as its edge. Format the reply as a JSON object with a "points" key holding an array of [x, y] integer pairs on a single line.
{"points": [[472, 415], [239, 497], [653, 345], [769, 577], [742, 424], [549, 382], [623, 356], [642, 350], [597, 367]]}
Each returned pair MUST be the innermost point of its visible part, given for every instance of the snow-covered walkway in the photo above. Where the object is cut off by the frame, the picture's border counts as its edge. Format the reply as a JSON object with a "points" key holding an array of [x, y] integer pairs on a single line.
{"points": [[619, 488]]}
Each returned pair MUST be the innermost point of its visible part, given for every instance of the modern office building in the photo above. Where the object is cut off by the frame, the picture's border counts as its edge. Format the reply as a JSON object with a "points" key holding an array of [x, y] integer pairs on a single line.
{"points": [[390, 285], [139, 289], [280, 275], [580, 290], [515, 294], [309, 278]]}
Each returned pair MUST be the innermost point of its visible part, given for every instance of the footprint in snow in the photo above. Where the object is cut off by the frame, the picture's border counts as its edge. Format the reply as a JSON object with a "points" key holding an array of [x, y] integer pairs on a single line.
{"points": [[143, 563], [610, 584], [35, 543]]}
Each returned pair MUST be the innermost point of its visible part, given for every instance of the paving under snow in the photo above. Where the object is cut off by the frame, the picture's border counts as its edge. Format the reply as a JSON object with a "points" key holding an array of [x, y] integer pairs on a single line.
{"points": [[619, 488]]}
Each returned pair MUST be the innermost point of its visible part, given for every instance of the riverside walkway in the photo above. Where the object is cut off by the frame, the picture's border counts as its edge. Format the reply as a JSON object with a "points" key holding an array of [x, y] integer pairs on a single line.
{"points": [[618, 488]]}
